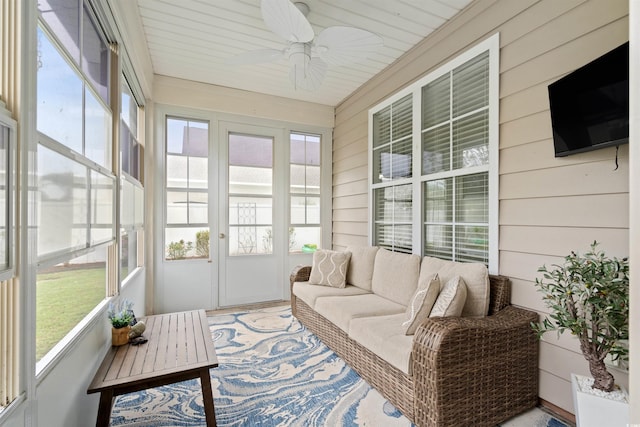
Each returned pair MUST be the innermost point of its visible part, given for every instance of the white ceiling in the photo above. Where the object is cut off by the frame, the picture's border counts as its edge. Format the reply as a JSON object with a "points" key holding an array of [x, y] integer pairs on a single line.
{"points": [[194, 40]]}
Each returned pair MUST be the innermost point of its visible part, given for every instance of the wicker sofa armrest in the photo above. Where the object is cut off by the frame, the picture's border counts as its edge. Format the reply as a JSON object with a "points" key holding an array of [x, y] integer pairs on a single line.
{"points": [[475, 371], [300, 273]]}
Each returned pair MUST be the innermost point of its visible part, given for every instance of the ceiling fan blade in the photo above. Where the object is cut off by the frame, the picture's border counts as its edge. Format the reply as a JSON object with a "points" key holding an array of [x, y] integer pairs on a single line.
{"points": [[308, 76], [344, 45], [256, 57], [283, 18]]}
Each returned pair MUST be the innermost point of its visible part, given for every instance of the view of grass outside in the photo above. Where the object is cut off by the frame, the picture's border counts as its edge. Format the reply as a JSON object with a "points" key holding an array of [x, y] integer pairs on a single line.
{"points": [[64, 296]]}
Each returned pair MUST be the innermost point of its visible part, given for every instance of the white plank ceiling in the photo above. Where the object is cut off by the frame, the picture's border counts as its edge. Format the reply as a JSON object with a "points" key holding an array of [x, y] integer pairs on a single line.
{"points": [[194, 39]]}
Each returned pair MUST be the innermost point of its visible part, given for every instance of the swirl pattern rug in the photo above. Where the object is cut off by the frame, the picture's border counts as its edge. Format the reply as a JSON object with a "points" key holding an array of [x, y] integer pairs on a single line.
{"points": [[272, 372]]}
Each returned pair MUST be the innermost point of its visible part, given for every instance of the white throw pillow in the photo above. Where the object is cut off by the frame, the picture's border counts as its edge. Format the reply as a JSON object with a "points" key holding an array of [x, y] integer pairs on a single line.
{"points": [[329, 268], [451, 300], [421, 304]]}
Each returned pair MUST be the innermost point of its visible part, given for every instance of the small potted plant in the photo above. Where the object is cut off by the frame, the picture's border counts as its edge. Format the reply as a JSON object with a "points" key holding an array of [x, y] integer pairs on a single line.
{"points": [[589, 297], [121, 318]]}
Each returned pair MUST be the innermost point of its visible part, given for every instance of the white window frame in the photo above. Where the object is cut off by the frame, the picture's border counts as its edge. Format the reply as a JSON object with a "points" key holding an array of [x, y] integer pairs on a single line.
{"points": [[492, 45]]}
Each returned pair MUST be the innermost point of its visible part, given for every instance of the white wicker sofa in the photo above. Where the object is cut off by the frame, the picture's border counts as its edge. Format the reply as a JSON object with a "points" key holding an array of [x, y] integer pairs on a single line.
{"points": [[471, 365]]}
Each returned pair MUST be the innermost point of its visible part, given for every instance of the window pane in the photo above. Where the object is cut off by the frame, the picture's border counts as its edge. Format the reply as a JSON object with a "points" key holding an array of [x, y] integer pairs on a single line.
{"points": [[177, 171], [438, 241], [139, 206], [95, 57], [129, 113], [63, 17], [198, 208], [102, 195], [177, 207], [435, 102], [402, 118], [250, 240], [436, 144], [198, 173], [471, 85], [393, 217], [382, 127], [65, 294], [59, 92], [62, 215], [5, 193], [127, 205], [304, 239], [97, 133], [126, 141], [438, 200], [250, 150], [186, 242], [472, 198], [298, 210], [128, 253], [472, 243], [471, 141]]}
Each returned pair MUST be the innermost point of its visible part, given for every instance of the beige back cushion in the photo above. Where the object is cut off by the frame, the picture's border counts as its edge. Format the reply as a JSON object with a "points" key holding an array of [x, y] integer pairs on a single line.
{"points": [[360, 269], [475, 276], [395, 275]]}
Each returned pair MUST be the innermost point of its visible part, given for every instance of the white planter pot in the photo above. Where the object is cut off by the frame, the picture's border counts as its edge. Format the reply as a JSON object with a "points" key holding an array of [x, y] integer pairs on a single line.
{"points": [[596, 411]]}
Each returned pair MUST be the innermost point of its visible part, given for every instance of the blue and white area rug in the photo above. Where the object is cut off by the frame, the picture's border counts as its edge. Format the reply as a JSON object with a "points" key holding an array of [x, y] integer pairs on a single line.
{"points": [[273, 372]]}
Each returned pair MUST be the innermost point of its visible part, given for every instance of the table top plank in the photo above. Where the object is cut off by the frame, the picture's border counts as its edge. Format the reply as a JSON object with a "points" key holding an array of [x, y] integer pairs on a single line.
{"points": [[172, 343], [202, 354], [165, 331], [181, 338], [197, 335]]}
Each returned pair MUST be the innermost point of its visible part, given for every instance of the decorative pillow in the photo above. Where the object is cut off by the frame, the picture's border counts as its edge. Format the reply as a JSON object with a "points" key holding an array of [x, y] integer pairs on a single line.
{"points": [[421, 304], [451, 300], [329, 268]]}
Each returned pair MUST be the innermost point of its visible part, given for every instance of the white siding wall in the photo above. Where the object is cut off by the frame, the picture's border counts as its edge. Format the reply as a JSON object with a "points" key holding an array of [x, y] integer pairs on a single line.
{"points": [[548, 206]]}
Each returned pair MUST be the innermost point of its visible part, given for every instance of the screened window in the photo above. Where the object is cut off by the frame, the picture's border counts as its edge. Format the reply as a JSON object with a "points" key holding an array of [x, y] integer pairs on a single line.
{"points": [[76, 184], [131, 184], [187, 182], [444, 202], [304, 192]]}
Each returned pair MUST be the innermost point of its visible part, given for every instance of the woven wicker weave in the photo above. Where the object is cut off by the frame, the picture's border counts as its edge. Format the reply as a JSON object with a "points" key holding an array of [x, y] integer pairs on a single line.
{"points": [[466, 371]]}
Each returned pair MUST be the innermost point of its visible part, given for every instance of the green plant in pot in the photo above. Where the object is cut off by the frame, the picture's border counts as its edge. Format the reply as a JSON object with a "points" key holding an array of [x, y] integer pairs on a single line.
{"points": [[122, 315], [589, 297]]}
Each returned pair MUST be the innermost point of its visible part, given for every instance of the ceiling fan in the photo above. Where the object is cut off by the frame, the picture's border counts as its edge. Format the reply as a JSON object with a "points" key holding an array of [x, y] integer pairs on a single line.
{"points": [[309, 56]]}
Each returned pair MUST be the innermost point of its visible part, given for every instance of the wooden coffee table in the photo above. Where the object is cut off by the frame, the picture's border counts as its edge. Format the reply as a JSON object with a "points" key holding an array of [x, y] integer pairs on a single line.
{"points": [[180, 348]]}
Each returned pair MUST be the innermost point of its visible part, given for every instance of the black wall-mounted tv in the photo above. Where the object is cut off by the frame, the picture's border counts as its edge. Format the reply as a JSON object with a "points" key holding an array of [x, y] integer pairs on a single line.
{"points": [[590, 106]]}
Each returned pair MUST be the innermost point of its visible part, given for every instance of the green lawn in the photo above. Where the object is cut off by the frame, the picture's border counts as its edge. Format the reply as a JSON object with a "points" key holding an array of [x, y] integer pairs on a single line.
{"points": [[63, 298]]}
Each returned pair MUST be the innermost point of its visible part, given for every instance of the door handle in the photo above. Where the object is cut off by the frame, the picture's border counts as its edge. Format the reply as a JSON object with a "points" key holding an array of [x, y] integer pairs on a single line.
{"points": [[221, 235]]}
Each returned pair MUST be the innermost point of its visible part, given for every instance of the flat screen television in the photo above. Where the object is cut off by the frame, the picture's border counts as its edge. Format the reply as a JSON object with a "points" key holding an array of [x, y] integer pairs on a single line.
{"points": [[590, 106]]}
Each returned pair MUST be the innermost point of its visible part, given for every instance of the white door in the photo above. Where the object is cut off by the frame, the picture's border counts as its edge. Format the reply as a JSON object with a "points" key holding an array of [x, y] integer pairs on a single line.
{"points": [[252, 219]]}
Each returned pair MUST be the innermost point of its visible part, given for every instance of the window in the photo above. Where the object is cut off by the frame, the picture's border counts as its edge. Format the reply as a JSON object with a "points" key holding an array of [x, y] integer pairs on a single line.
{"points": [[9, 292], [131, 184], [187, 183], [434, 182], [75, 213], [305, 233]]}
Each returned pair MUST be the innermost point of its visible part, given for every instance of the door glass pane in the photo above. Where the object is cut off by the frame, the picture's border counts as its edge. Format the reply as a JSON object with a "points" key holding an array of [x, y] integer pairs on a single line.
{"points": [[250, 194]]}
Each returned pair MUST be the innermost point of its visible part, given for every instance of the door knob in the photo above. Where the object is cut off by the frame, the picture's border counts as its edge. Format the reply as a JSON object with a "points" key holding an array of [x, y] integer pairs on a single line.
{"points": [[221, 235]]}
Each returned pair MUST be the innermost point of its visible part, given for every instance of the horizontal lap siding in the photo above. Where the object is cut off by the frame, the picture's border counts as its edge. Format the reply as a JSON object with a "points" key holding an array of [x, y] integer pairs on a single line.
{"points": [[548, 206]]}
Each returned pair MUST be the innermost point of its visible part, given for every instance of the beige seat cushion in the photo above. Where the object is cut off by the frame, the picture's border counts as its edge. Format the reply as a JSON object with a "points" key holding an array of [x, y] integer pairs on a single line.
{"points": [[341, 310], [475, 276], [384, 336], [360, 269], [451, 299], [309, 293], [329, 268], [421, 303], [395, 275]]}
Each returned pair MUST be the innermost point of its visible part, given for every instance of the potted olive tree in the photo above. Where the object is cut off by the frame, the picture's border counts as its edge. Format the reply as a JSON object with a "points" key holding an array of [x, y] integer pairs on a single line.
{"points": [[589, 297]]}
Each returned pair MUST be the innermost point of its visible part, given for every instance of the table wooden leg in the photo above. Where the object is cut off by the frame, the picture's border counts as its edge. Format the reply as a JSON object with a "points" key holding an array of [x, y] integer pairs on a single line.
{"points": [[104, 409], [207, 398]]}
